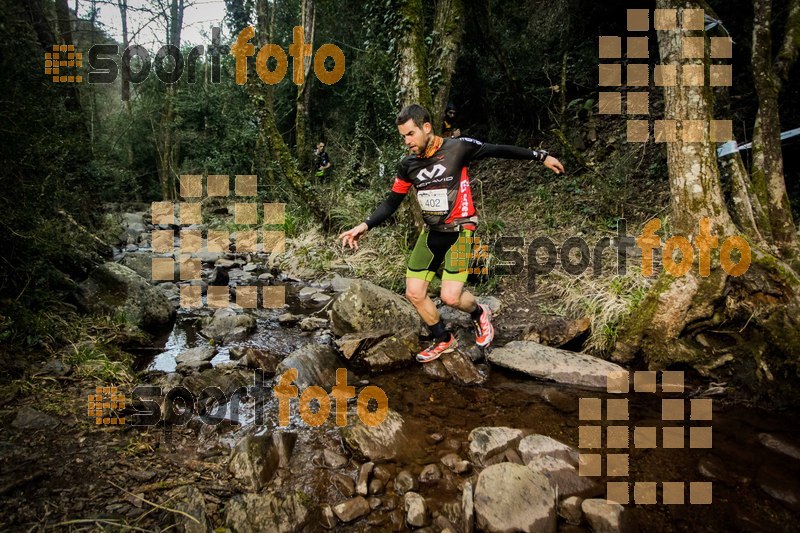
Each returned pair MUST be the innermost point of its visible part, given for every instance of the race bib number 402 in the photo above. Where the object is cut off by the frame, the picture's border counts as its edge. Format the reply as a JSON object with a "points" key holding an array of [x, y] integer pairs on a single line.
{"points": [[433, 201]]}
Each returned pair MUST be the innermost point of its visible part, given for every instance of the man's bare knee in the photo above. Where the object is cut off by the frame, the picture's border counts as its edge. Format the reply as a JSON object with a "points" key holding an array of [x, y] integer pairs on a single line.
{"points": [[415, 297], [450, 298]]}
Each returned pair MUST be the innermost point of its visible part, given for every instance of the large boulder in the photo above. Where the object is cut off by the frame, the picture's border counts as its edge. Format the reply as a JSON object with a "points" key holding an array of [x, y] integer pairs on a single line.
{"points": [[364, 306], [282, 513], [511, 497], [315, 365], [116, 290], [561, 366], [195, 359], [487, 445], [228, 326], [140, 262], [255, 460], [563, 477], [384, 442], [193, 517], [534, 446]]}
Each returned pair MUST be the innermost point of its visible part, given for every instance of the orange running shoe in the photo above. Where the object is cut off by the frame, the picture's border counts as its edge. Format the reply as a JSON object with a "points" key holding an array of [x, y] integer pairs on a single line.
{"points": [[432, 352], [484, 331]]}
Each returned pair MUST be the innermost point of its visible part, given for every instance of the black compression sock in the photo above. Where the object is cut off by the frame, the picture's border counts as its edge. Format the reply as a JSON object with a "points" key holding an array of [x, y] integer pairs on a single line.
{"points": [[476, 314], [438, 331]]}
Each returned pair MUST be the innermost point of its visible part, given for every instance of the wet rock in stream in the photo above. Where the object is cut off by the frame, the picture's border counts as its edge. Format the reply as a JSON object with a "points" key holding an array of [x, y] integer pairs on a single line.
{"points": [[226, 325], [553, 364], [511, 497], [365, 306]]}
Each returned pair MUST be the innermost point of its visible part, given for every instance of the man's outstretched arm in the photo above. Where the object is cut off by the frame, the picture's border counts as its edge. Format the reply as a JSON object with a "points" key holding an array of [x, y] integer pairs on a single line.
{"points": [[505, 151]]}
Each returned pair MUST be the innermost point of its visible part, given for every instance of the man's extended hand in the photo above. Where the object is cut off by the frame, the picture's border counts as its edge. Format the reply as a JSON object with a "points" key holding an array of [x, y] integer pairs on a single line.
{"points": [[553, 164], [351, 236]]}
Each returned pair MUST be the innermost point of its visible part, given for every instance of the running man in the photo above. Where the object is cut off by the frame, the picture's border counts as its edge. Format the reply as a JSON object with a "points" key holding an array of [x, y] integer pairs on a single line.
{"points": [[437, 169]]}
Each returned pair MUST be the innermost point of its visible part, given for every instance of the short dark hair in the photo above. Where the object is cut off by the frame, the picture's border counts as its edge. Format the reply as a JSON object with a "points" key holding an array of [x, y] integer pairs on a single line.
{"points": [[414, 112]]}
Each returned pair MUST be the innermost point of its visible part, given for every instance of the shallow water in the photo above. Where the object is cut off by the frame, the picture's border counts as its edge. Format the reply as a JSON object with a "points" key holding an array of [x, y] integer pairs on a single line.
{"points": [[755, 488]]}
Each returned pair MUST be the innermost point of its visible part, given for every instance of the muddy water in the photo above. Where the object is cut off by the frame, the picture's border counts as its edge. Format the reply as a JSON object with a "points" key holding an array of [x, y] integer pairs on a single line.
{"points": [[755, 488]]}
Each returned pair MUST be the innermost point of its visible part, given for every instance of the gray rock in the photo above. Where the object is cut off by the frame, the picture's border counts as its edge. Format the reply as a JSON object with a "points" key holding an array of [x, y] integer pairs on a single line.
{"points": [[430, 474], [56, 368], [250, 267], [468, 507], [285, 513], [344, 484], [332, 459], [195, 359], [416, 510], [362, 484], [487, 445], [455, 463], [224, 263], [602, 515], [340, 284], [391, 352], [257, 358], [561, 366], [313, 323], [315, 365], [306, 293], [329, 520], [405, 482], [353, 345], [461, 367], [570, 510], [534, 446], [382, 472], [365, 306], [115, 290], [288, 319], [189, 500], [384, 442], [352, 509], [225, 380], [30, 418], [436, 370], [320, 298], [284, 443], [511, 497], [779, 445], [209, 258], [254, 461], [228, 326], [563, 477], [375, 486], [140, 262]]}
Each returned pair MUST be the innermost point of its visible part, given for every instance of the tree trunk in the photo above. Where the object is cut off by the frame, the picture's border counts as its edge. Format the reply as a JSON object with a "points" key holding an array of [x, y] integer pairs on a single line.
{"points": [[768, 158], [742, 329], [413, 83], [303, 100], [270, 138], [169, 143], [449, 29], [413, 70]]}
